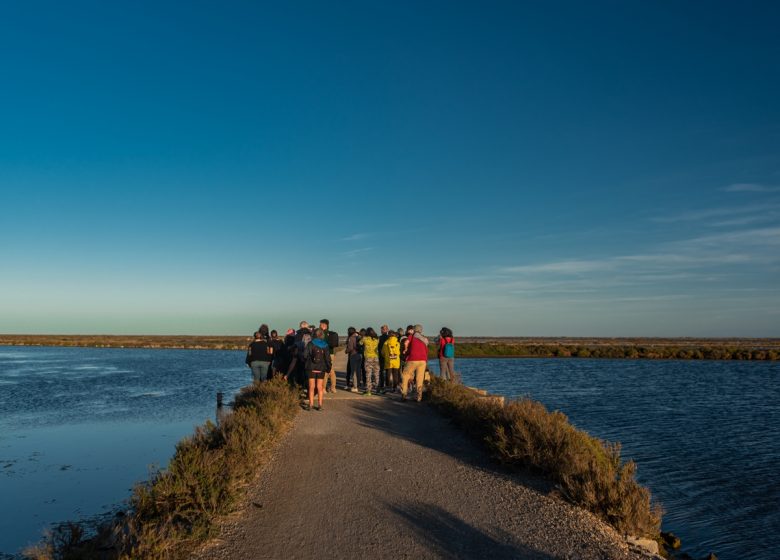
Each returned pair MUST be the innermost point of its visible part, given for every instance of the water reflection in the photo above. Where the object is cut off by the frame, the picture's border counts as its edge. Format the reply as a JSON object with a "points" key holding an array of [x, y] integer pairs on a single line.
{"points": [[706, 436], [79, 427]]}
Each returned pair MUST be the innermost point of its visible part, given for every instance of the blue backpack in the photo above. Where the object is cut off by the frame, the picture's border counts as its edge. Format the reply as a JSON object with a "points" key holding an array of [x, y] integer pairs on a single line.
{"points": [[449, 350]]}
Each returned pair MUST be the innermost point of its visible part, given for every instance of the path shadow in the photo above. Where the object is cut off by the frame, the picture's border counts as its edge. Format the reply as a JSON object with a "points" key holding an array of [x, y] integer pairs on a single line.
{"points": [[449, 536], [420, 424]]}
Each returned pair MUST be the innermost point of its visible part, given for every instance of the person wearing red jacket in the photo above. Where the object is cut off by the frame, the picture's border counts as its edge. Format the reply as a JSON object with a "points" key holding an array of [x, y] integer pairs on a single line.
{"points": [[416, 362], [446, 344]]}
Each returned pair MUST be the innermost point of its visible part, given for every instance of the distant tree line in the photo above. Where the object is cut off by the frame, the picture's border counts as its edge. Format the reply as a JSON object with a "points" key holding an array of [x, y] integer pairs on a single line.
{"points": [[633, 352]]}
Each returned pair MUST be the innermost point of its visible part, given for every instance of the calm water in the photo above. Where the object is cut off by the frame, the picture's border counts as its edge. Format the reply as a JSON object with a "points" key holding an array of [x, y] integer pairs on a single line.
{"points": [[80, 426], [705, 435]]}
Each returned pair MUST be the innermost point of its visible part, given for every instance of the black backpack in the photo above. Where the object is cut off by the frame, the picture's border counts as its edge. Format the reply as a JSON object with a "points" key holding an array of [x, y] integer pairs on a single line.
{"points": [[333, 339], [316, 355]]}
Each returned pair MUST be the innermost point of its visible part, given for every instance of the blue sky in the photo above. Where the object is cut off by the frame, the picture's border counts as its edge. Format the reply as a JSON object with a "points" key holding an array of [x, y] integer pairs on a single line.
{"points": [[503, 168]]}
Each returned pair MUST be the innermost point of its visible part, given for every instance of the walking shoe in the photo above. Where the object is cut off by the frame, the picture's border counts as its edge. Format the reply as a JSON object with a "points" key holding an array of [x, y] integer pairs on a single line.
{"points": [[306, 407], [354, 390], [318, 408], [367, 394]]}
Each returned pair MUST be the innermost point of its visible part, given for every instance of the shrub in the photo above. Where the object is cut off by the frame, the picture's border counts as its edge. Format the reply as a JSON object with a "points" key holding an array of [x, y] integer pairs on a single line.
{"points": [[587, 471], [177, 509]]}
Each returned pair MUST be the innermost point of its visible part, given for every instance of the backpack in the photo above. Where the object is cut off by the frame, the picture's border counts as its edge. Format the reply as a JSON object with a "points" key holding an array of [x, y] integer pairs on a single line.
{"points": [[449, 349], [316, 355], [333, 339]]}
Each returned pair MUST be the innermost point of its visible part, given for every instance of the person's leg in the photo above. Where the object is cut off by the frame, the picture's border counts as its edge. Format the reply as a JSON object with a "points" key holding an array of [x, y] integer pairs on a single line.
{"points": [[320, 390], [450, 369], [332, 374], [255, 365], [368, 366], [405, 376], [419, 378], [264, 368], [311, 391], [354, 362]]}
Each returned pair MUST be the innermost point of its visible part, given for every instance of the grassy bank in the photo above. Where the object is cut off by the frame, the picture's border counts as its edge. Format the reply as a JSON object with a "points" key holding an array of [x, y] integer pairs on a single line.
{"points": [[467, 347], [587, 472], [178, 509], [640, 350]]}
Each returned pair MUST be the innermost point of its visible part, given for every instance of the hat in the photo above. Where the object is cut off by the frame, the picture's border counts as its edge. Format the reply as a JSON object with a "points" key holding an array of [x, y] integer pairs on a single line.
{"points": [[290, 331]]}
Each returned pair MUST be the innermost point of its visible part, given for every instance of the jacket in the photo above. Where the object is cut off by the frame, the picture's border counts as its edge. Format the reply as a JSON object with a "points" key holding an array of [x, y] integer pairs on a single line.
{"points": [[391, 352], [260, 350], [370, 347], [418, 349], [352, 344]]}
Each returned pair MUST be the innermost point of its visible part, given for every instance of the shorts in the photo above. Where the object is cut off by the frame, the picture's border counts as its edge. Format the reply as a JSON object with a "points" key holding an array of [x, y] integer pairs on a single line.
{"points": [[315, 374]]}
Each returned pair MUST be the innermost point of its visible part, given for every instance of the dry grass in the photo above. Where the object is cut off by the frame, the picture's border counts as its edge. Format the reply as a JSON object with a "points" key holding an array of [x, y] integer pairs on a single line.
{"points": [[178, 509], [587, 471]]}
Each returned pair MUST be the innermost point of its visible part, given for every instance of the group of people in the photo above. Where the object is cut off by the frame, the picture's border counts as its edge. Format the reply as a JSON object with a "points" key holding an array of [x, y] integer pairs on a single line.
{"points": [[376, 363]]}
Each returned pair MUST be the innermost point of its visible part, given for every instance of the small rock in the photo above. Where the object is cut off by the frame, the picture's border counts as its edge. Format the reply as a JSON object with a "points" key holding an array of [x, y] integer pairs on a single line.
{"points": [[647, 544], [671, 540]]}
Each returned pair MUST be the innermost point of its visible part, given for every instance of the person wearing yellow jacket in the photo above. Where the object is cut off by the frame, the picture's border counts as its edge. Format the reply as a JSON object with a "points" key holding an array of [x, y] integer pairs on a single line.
{"points": [[370, 344], [391, 352]]}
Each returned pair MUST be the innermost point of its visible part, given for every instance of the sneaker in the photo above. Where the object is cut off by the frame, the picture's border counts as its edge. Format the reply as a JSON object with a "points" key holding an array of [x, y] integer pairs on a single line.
{"points": [[354, 390], [318, 408], [306, 407], [367, 394]]}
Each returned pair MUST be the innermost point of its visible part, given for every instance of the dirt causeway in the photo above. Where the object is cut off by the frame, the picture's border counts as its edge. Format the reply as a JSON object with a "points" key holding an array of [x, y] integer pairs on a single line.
{"points": [[372, 477]]}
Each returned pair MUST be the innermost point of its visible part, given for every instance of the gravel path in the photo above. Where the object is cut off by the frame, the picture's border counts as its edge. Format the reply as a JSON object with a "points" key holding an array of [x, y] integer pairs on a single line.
{"points": [[372, 477]]}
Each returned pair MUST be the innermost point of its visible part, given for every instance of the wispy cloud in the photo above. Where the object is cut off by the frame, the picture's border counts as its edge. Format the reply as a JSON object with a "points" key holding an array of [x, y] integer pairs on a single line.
{"points": [[356, 252], [357, 237], [723, 212], [560, 267], [362, 288], [751, 187]]}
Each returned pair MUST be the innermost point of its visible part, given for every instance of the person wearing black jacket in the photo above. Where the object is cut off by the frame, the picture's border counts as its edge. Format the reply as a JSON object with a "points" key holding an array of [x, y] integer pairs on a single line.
{"points": [[259, 355], [330, 337], [382, 375], [279, 363], [317, 363]]}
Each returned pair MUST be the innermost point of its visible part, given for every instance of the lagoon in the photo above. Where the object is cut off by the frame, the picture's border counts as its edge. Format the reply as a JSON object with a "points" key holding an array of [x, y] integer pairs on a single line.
{"points": [[80, 426], [704, 434]]}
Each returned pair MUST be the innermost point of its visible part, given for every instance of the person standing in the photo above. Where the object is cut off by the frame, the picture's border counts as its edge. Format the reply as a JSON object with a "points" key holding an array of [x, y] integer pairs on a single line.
{"points": [[383, 330], [355, 358], [332, 339], [317, 363], [446, 344], [297, 370], [370, 345], [392, 359], [260, 354], [416, 362], [277, 345]]}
